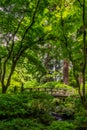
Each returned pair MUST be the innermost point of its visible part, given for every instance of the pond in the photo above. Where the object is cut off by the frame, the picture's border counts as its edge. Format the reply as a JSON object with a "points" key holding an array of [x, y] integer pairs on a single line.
{"points": [[62, 117]]}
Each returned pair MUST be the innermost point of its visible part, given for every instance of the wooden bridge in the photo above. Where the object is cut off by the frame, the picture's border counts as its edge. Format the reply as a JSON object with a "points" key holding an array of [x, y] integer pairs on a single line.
{"points": [[56, 92]]}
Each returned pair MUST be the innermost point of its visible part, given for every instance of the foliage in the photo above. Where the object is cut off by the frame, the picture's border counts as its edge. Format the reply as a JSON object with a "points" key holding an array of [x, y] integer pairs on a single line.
{"points": [[72, 110], [35, 37], [49, 85], [19, 123], [19, 32], [31, 84], [80, 114], [72, 81], [32, 110], [58, 125], [25, 105]]}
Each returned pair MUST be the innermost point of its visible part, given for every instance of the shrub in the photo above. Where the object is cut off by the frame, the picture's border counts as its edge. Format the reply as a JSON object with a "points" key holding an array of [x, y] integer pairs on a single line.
{"points": [[80, 114], [24, 105], [21, 124], [49, 85], [61, 125]]}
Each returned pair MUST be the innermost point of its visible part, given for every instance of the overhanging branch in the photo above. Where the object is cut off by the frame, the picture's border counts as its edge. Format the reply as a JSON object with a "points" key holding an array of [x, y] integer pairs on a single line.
{"points": [[32, 22]]}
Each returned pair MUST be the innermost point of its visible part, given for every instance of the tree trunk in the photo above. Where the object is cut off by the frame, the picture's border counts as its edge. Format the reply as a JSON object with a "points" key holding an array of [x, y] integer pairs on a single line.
{"points": [[65, 72], [84, 53], [80, 79], [4, 89]]}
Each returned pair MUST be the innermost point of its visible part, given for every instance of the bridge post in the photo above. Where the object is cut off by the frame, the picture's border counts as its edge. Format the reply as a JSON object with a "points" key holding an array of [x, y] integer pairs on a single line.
{"points": [[45, 89], [30, 89], [22, 88], [38, 89]]}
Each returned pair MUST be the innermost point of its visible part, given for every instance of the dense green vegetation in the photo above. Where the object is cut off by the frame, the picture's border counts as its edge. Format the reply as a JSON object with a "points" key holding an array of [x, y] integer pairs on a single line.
{"points": [[43, 45], [34, 111]]}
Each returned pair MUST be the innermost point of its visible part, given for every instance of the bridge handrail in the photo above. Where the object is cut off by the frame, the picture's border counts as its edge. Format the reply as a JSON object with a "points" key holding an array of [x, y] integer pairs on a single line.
{"points": [[52, 91]]}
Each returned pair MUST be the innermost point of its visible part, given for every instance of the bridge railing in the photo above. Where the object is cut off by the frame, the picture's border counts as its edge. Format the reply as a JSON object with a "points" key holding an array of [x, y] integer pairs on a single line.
{"points": [[53, 91]]}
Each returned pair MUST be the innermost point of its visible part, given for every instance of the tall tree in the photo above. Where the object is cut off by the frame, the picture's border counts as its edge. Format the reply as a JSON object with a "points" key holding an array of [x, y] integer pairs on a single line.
{"points": [[65, 72], [73, 41], [19, 31]]}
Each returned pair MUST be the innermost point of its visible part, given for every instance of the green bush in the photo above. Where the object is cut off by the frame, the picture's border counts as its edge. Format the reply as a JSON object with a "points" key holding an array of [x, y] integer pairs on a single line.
{"points": [[21, 124], [24, 105], [49, 85], [80, 114], [74, 105], [31, 84], [61, 125]]}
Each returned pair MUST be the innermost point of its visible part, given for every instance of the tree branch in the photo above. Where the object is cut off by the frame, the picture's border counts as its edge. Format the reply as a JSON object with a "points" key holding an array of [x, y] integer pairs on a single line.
{"points": [[32, 22], [19, 24]]}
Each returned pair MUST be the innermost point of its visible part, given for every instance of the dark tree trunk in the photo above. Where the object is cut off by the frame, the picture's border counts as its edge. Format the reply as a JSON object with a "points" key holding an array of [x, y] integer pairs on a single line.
{"points": [[80, 79], [4, 89], [84, 52]]}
